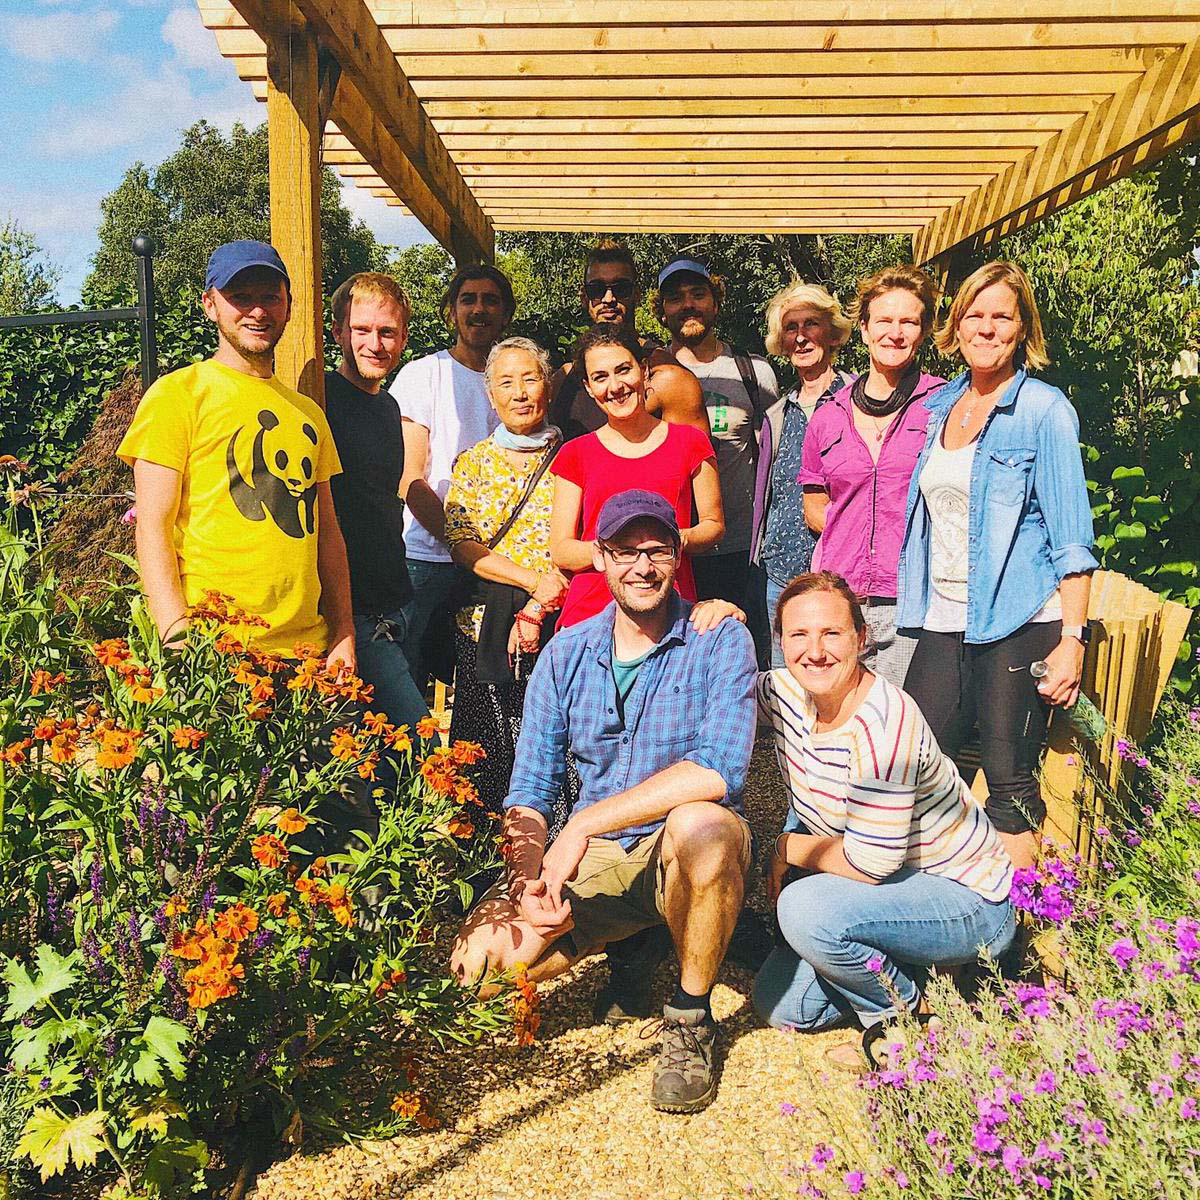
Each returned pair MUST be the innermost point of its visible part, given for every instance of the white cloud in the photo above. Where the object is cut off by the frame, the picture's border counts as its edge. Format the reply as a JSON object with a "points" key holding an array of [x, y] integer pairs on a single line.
{"points": [[56, 37], [195, 47], [148, 112]]}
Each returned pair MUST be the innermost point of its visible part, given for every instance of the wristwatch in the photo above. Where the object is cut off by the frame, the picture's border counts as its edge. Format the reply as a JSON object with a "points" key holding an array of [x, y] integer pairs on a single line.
{"points": [[1081, 633]]}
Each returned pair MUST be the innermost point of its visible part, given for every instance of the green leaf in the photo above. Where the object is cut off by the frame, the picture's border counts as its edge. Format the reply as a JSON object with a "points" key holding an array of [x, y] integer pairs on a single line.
{"points": [[50, 1140], [163, 1040], [152, 1117], [1132, 531], [1128, 480], [25, 993], [1149, 508]]}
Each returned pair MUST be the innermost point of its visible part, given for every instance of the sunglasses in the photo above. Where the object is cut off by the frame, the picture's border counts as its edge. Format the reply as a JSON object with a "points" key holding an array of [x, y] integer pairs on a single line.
{"points": [[597, 289]]}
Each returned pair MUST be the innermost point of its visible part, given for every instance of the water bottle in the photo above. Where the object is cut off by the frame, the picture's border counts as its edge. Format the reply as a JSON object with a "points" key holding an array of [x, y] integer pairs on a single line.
{"points": [[1086, 718]]}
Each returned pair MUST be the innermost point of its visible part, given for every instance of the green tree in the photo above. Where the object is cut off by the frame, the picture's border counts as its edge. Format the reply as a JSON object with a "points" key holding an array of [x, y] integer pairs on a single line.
{"points": [[213, 189], [27, 278]]}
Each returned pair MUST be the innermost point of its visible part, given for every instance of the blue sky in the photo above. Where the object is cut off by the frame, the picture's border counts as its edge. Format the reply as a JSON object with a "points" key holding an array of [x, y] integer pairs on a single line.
{"points": [[89, 87]]}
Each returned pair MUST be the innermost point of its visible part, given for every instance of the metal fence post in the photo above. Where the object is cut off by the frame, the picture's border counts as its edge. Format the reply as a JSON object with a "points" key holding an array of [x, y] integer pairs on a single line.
{"points": [[144, 248]]}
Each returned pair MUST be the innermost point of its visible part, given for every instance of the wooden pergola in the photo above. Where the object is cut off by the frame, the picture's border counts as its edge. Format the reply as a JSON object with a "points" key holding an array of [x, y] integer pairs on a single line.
{"points": [[956, 123]]}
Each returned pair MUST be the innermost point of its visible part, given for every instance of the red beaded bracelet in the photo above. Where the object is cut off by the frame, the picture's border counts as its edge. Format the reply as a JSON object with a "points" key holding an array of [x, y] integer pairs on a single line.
{"points": [[526, 619]]}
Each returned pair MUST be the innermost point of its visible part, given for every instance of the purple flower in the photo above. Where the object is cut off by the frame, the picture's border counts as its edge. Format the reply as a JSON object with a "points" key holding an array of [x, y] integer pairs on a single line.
{"points": [[986, 1140], [854, 1182], [1189, 1110], [822, 1156], [1013, 1160], [787, 1109], [874, 964], [1124, 952], [96, 880], [934, 1137], [303, 957], [1047, 1084]]}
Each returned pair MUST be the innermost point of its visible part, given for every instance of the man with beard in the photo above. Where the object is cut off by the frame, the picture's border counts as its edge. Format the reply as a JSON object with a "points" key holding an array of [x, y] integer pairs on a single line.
{"points": [[660, 719], [738, 390], [370, 324], [445, 410], [231, 470], [610, 294]]}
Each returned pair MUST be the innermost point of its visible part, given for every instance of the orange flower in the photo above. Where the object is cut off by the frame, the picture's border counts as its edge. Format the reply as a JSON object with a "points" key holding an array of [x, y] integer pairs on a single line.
{"points": [[140, 689], [269, 850], [293, 919], [118, 748], [389, 981], [187, 945], [526, 1017], [291, 820], [15, 754], [376, 723], [467, 754], [307, 652], [311, 891], [277, 903], [45, 729], [212, 979], [263, 690], [398, 739], [112, 652], [175, 907], [465, 792], [366, 768], [228, 644], [439, 775], [258, 712], [427, 727], [343, 745], [460, 827], [319, 866], [406, 1105], [343, 915], [65, 744], [42, 681], [236, 923], [188, 737], [243, 673]]}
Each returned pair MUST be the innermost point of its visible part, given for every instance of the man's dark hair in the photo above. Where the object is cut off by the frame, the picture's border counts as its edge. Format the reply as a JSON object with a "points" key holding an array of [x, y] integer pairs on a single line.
{"points": [[609, 251], [604, 335], [468, 274]]}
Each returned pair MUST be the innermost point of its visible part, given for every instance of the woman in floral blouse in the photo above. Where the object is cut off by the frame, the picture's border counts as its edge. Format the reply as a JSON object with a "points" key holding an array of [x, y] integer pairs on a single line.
{"points": [[498, 527]]}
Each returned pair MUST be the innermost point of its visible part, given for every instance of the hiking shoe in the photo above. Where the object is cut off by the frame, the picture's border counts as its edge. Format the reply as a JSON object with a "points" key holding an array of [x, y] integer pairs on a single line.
{"points": [[750, 943], [684, 1078], [631, 965]]}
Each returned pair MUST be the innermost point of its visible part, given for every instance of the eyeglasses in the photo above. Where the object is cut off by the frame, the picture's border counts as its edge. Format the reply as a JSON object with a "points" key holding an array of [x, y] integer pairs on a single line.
{"points": [[626, 556], [597, 289]]}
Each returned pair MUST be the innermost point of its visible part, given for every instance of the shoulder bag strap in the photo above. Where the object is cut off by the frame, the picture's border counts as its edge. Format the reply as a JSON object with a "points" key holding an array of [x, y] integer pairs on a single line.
{"points": [[534, 480]]}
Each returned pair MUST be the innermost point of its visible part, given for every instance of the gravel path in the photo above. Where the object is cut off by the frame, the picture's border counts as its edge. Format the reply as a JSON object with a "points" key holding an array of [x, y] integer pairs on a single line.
{"points": [[570, 1116]]}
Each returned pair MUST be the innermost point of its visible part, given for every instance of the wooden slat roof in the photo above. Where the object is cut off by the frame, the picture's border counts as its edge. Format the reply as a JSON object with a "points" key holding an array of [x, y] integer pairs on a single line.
{"points": [[948, 121]]}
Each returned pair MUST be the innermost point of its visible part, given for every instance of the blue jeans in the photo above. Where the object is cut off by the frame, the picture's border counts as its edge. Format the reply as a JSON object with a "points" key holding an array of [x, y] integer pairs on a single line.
{"points": [[432, 583], [379, 642], [835, 926], [773, 593]]}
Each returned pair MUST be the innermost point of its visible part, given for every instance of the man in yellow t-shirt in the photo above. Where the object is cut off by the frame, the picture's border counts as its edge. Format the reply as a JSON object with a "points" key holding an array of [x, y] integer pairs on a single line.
{"points": [[231, 471]]}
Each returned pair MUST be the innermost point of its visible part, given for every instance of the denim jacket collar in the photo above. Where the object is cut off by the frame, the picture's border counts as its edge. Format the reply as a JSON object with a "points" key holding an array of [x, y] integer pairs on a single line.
{"points": [[943, 400], [600, 640]]}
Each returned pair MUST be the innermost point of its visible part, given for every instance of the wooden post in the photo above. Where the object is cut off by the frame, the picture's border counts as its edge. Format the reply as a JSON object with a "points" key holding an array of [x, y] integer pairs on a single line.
{"points": [[294, 138]]}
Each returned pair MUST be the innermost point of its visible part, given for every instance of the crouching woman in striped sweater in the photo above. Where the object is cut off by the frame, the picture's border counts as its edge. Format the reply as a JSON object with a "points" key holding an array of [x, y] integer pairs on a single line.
{"points": [[887, 866]]}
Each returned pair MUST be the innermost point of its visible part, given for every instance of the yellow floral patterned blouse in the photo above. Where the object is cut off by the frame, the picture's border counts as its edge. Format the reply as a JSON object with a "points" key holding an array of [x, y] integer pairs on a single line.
{"points": [[484, 489]]}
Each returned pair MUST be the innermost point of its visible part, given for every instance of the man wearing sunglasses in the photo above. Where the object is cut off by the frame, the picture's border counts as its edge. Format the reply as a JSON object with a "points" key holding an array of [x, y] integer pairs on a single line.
{"points": [[610, 294], [660, 719]]}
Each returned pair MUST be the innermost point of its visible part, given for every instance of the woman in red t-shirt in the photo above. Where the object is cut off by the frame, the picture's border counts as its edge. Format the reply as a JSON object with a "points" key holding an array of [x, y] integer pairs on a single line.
{"points": [[633, 450]]}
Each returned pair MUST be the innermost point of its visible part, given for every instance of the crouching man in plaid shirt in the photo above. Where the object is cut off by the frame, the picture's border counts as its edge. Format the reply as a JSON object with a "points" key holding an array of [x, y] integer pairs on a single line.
{"points": [[660, 719]]}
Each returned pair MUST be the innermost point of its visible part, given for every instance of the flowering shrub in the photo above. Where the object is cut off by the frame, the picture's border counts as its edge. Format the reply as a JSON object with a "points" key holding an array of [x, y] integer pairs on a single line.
{"points": [[203, 925], [1088, 1087]]}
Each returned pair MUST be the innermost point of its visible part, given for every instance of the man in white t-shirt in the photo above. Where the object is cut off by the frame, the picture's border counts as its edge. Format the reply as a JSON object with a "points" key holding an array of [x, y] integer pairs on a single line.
{"points": [[738, 389], [445, 410]]}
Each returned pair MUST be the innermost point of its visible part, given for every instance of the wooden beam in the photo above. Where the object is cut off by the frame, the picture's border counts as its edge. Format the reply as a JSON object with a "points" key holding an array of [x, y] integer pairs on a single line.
{"points": [[966, 155], [920, 210], [294, 140], [348, 29], [1138, 125], [704, 173], [700, 139], [706, 223], [489, 193]]}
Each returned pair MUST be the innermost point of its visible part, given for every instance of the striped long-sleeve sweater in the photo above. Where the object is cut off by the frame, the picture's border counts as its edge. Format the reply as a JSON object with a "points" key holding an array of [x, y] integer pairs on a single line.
{"points": [[881, 784]]}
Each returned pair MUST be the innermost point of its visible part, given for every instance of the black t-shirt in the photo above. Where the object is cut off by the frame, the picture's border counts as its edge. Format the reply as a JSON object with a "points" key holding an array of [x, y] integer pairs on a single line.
{"points": [[366, 431]]}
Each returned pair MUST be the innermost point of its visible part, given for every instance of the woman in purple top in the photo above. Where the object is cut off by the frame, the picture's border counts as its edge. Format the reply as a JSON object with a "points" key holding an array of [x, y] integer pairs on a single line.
{"points": [[860, 451]]}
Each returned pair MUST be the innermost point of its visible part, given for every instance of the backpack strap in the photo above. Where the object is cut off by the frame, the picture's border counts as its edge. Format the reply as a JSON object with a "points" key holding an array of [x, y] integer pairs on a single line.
{"points": [[749, 380]]}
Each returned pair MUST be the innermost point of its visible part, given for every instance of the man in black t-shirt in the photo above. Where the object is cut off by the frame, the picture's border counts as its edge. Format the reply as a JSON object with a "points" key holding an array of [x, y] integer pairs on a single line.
{"points": [[370, 324]]}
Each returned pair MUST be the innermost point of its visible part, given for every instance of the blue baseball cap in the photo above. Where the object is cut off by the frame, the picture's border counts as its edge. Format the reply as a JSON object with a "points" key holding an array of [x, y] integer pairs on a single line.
{"points": [[692, 265], [227, 260], [635, 505]]}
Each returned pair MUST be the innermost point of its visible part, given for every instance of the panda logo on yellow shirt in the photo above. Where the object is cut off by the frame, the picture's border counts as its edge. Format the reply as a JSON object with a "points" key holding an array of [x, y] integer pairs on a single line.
{"points": [[282, 477]]}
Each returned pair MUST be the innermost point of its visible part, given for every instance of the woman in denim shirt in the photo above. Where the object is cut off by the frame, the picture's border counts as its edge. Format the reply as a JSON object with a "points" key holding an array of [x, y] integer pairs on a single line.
{"points": [[996, 564]]}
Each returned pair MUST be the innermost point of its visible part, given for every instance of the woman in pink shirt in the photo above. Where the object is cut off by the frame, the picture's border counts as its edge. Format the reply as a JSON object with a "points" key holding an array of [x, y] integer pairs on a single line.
{"points": [[860, 451], [632, 450]]}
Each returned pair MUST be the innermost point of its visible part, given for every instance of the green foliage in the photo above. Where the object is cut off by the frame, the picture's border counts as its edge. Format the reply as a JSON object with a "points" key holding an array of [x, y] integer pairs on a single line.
{"points": [[213, 189], [27, 279], [211, 910]]}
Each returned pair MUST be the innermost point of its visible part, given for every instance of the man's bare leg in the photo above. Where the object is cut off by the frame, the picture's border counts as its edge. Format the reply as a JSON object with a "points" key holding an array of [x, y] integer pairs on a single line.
{"points": [[705, 856]]}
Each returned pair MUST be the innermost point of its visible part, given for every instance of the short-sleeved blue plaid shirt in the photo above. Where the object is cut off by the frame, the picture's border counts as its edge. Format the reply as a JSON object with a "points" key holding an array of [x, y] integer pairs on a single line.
{"points": [[692, 701]]}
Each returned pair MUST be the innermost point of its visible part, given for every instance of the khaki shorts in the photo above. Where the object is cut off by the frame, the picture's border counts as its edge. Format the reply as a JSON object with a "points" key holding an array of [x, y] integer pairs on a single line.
{"points": [[618, 892]]}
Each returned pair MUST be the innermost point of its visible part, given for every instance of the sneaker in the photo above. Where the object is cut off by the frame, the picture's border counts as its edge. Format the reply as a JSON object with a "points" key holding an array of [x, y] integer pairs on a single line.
{"points": [[750, 943], [684, 1079], [631, 966]]}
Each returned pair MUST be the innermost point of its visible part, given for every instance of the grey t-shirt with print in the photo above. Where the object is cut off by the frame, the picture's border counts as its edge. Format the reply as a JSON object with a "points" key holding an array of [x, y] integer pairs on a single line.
{"points": [[733, 422]]}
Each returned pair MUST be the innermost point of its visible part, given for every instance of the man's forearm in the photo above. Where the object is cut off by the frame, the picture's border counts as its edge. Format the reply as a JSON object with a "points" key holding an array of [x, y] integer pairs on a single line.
{"points": [[427, 508], [525, 832], [652, 799], [333, 571], [160, 578]]}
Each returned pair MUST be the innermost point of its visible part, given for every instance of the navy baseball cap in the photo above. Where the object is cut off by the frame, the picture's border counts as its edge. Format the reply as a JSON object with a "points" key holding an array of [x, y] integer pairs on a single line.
{"points": [[635, 505], [692, 265], [227, 260]]}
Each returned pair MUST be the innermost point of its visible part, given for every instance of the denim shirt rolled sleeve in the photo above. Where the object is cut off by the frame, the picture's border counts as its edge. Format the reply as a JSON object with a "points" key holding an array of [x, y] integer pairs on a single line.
{"points": [[692, 701], [1061, 489]]}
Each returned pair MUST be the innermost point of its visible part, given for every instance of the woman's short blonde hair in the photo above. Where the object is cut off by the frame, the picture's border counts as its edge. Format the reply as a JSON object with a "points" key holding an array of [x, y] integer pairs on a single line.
{"points": [[540, 356], [1034, 344], [810, 295], [903, 277]]}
